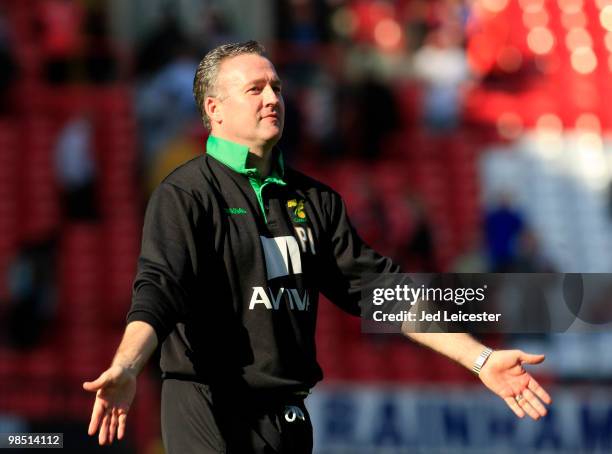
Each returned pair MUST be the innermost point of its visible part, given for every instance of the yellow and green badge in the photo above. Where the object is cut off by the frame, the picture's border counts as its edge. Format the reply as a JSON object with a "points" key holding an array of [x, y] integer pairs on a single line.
{"points": [[298, 213]]}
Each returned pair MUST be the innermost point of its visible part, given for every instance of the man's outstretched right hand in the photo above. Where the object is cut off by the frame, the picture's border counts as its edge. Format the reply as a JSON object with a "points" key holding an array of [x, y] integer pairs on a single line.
{"points": [[115, 389]]}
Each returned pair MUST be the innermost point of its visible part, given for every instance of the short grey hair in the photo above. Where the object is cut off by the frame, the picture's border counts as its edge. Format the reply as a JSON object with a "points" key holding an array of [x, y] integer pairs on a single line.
{"points": [[205, 80]]}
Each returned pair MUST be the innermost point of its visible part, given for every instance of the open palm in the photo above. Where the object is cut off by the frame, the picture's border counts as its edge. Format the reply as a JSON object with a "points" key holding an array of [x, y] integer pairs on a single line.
{"points": [[504, 374], [115, 389]]}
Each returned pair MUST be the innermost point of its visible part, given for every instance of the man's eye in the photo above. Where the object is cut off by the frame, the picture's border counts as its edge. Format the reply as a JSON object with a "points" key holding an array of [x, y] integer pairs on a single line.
{"points": [[254, 90], [277, 89]]}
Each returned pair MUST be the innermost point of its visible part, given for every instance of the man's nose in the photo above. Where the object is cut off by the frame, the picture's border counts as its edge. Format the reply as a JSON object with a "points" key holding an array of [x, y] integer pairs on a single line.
{"points": [[270, 96]]}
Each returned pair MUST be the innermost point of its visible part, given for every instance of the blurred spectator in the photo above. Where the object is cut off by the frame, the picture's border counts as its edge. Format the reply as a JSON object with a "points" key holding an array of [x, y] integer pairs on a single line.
{"points": [[8, 64], [415, 16], [32, 292], [610, 200], [368, 213], [214, 30], [319, 105], [473, 259], [529, 257], [175, 152], [368, 113], [76, 169], [442, 64], [504, 225], [164, 104], [379, 114], [302, 22], [418, 250], [100, 59], [161, 46], [61, 27]]}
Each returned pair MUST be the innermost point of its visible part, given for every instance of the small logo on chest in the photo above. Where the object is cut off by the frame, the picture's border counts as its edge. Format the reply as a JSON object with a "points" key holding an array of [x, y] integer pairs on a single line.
{"points": [[235, 210]]}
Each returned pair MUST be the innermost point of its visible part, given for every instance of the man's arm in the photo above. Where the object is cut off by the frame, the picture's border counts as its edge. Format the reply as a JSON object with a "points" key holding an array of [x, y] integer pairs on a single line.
{"points": [[115, 388], [459, 347], [167, 270], [502, 373], [342, 283]]}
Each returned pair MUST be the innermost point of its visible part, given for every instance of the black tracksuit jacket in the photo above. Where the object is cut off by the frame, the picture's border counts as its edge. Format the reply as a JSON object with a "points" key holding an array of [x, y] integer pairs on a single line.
{"points": [[231, 268]]}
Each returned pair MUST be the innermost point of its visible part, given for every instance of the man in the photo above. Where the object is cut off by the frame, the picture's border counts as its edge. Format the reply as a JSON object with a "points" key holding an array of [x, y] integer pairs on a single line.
{"points": [[236, 247]]}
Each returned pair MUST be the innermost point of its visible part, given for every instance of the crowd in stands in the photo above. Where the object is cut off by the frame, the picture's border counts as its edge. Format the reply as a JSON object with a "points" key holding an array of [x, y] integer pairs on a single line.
{"points": [[343, 67]]}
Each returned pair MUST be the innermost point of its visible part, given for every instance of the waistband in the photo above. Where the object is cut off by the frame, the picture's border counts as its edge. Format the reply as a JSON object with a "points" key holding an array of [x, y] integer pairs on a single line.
{"points": [[239, 389]]}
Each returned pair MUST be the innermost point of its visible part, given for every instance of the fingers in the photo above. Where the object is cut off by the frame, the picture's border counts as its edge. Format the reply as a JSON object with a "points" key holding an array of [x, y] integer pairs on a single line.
{"points": [[514, 407], [526, 406], [110, 422], [103, 435], [535, 403], [528, 403], [96, 417], [113, 425], [121, 431], [531, 359], [97, 383], [539, 391]]}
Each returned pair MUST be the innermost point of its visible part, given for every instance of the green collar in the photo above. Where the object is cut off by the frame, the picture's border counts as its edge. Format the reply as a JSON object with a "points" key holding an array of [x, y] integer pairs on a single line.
{"points": [[235, 157]]}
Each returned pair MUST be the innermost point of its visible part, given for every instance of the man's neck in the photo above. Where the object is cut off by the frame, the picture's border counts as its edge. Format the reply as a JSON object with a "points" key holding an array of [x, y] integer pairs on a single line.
{"points": [[260, 156], [261, 161]]}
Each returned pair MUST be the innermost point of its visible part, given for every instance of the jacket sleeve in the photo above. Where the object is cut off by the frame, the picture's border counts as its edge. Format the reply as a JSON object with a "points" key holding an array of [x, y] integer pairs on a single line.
{"points": [[168, 260], [350, 260]]}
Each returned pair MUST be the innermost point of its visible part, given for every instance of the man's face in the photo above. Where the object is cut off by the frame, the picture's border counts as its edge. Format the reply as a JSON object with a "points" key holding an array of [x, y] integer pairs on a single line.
{"points": [[249, 107]]}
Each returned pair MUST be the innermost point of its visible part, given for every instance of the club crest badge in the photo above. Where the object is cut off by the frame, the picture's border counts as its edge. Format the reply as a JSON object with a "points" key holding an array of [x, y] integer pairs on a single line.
{"points": [[297, 210]]}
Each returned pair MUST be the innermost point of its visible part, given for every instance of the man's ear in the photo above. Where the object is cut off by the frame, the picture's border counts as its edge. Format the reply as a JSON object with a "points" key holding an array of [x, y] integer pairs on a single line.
{"points": [[212, 108]]}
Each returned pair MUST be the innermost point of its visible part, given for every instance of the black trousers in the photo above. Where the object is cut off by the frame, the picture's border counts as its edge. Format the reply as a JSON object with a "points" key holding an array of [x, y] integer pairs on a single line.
{"points": [[198, 418]]}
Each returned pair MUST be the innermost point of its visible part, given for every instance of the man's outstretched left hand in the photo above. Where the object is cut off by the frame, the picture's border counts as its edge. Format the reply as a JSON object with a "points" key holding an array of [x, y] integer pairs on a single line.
{"points": [[503, 373]]}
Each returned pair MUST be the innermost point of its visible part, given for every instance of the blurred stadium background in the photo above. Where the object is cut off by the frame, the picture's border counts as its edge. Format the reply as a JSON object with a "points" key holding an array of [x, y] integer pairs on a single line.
{"points": [[465, 135]]}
